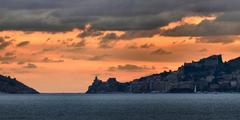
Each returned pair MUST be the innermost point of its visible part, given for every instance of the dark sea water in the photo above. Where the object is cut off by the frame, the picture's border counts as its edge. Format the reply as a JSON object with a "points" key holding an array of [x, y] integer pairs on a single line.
{"points": [[120, 107]]}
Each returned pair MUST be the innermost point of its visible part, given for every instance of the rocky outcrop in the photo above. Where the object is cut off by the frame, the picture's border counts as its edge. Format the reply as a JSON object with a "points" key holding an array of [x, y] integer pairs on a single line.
{"points": [[110, 86], [206, 75], [12, 86]]}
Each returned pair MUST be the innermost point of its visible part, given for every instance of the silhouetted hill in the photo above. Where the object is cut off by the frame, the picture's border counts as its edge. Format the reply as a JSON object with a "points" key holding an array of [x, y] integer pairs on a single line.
{"points": [[12, 86], [110, 86], [206, 75]]}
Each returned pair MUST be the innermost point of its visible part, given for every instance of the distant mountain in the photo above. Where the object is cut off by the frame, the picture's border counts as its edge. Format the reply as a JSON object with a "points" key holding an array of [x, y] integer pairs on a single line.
{"points": [[12, 86], [206, 75]]}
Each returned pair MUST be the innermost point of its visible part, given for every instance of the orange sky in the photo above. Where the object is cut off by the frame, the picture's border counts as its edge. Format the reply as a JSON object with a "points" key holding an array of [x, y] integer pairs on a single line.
{"points": [[63, 62]]}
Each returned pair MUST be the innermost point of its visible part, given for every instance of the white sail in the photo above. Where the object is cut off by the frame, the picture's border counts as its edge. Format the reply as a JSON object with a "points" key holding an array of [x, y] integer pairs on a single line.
{"points": [[195, 89]]}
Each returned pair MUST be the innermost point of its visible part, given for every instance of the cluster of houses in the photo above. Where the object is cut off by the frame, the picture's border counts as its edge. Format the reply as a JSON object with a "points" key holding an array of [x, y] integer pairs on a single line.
{"points": [[206, 75]]}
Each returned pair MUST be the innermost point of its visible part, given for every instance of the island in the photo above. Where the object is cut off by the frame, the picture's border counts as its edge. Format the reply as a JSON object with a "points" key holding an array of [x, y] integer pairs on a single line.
{"points": [[209, 74], [12, 86]]}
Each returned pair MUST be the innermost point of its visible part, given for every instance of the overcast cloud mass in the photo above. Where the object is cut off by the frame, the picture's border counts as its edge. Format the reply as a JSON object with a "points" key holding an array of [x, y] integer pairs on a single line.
{"points": [[62, 15]]}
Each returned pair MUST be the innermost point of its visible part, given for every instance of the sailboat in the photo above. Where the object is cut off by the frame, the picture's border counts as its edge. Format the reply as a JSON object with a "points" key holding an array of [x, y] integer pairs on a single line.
{"points": [[195, 89]]}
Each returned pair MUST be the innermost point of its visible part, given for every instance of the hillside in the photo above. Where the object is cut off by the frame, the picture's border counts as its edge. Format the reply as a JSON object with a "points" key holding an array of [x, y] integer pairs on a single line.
{"points": [[12, 86], [206, 75]]}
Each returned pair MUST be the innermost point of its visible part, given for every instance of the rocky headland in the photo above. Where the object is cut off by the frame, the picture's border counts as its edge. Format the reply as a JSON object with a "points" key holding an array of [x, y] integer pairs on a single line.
{"points": [[206, 75], [12, 86]]}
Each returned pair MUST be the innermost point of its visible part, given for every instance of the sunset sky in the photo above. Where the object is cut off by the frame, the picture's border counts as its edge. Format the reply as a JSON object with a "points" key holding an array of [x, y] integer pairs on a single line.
{"points": [[61, 45]]}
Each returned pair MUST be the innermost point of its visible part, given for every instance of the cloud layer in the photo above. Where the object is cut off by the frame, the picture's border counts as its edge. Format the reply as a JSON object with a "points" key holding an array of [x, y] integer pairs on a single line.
{"points": [[62, 15], [130, 68]]}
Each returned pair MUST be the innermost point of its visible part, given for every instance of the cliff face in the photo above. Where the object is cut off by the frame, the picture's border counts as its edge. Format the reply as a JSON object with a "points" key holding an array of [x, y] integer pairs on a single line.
{"points": [[12, 86], [208, 74]]}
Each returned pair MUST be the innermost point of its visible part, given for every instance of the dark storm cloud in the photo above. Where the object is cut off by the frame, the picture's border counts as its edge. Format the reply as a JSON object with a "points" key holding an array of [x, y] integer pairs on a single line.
{"points": [[61, 15], [128, 35], [138, 18], [88, 31], [226, 23], [112, 38], [205, 28], [108, 40]]}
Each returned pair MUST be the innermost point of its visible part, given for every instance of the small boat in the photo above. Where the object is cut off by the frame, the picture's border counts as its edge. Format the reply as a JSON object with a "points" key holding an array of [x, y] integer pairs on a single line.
{"points": [[195, 89]]}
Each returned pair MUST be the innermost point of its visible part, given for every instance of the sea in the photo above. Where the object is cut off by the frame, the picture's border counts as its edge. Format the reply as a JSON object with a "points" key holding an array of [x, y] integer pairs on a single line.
{"points": [[213, 106]]}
